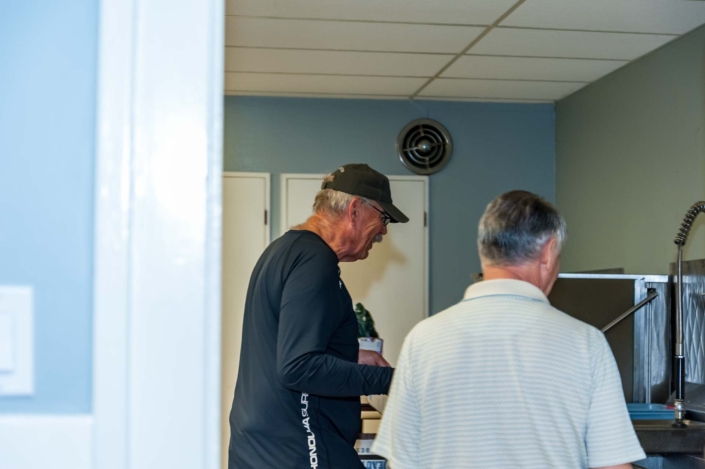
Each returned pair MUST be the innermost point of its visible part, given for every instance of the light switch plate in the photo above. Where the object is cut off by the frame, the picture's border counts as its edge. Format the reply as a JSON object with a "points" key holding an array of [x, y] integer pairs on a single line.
{"points": [[17, 325]]}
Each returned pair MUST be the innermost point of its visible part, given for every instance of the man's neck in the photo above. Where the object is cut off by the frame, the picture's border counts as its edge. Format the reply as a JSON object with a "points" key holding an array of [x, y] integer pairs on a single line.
{"points": [[327, 231], [526, 273]]}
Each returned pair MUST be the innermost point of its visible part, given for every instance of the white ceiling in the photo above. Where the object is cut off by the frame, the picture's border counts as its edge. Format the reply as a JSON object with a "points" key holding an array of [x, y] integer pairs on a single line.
{"points": [[487, 50]]}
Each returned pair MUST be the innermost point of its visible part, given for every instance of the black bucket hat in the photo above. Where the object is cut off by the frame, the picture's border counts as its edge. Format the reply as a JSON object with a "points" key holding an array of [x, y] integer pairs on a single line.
{"points": [[363, 181]]}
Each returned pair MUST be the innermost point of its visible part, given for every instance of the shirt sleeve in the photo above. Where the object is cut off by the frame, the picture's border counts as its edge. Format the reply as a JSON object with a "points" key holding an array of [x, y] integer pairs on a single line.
{"points": [[398, 438], [610, 439], [309, 316]]}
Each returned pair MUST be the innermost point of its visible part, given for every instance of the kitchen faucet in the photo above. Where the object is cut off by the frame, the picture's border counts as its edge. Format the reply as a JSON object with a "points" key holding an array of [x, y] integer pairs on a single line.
{"points": [[679, 352]]}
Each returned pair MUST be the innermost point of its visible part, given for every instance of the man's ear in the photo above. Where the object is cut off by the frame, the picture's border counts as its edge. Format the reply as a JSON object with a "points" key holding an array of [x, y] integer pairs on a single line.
{"points": [[354, 210], [549, 252]]}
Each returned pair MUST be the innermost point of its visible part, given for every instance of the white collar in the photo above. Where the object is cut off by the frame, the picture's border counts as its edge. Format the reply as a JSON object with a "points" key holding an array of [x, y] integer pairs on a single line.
{"points": [[504, 287]]}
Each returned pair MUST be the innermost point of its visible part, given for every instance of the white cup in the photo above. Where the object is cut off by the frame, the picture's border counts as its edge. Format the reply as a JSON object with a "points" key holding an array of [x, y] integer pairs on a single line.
{"points": [[371, 343]]}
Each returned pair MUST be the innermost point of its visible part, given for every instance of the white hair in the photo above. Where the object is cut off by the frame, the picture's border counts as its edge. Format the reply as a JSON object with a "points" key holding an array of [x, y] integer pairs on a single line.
{"points": [[332, 202], [516, 226]]}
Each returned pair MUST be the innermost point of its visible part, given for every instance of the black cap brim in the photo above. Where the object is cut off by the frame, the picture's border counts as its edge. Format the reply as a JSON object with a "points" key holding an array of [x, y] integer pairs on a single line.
{"points": [[394, 213]]}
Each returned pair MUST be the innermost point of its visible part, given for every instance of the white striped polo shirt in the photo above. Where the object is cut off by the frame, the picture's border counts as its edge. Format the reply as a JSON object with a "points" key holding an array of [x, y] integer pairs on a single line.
{"points": [[504, 380]]}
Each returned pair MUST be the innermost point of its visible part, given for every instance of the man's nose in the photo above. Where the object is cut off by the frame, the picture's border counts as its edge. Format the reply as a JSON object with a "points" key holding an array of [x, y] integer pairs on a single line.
{"points": [[384, 230]]}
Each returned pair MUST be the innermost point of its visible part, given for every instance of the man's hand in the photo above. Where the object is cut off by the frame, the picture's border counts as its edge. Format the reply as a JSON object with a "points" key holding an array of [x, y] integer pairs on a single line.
{"points": [[368, 357]]}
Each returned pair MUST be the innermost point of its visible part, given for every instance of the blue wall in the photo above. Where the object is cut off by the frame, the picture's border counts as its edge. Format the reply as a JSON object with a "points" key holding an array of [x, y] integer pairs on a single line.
{"points": [[47, 114], [498, 147]]}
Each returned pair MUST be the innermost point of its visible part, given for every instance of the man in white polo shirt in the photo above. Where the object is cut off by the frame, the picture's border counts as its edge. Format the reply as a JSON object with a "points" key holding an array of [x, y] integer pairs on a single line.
{"points": [[502, 379]]}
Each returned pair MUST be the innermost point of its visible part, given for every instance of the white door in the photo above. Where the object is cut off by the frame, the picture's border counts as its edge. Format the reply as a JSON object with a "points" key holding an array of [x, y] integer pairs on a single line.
{"points": [[392, 283], [245, 236]]}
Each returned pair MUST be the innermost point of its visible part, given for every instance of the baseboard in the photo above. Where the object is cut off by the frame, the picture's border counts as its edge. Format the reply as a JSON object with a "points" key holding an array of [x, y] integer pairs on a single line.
{"points": [[45, 441]]}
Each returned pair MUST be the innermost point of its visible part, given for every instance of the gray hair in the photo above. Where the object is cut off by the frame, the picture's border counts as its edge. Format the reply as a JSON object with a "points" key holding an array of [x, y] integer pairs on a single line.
{"points": [[332, 202], [516, 226]]}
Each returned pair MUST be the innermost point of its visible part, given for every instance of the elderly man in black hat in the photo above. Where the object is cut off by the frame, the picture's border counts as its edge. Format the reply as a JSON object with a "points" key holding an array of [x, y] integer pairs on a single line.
{"points": [[301, 375]]}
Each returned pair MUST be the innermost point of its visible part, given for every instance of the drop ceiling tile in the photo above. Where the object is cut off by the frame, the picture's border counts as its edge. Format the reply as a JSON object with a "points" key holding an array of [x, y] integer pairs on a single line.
{"points": [[333, 62], [499, 89], [315, 95], [305, 34], [635, 16], [485, 100], [336, 35], [524, 68], [574, 44], [474, 12], [321, 84]]}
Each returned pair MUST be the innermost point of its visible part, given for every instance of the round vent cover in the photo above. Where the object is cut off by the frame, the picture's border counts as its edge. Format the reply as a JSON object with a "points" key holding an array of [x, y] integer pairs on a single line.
{"points": [[424, 146]]}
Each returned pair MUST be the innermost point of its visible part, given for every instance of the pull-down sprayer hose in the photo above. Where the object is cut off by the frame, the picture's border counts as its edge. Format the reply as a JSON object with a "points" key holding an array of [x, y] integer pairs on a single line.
{"points": [[688, 220]]}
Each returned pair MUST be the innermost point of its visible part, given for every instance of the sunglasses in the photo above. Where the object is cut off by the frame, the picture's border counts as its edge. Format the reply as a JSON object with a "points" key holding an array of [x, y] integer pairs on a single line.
{"points": [[385, 218]]}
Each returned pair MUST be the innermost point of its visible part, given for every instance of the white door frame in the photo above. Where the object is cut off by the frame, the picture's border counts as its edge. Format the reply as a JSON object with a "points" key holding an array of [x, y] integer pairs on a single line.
{"points": [[284, 181], [156, 362]]}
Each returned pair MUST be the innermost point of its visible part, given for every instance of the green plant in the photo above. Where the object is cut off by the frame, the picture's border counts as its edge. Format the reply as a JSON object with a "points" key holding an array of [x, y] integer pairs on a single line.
{"points": [[365, 323]]}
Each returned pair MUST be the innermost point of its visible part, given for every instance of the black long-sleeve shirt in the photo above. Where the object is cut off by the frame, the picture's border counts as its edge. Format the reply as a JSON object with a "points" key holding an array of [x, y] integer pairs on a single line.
{"points": [[296, 402]]}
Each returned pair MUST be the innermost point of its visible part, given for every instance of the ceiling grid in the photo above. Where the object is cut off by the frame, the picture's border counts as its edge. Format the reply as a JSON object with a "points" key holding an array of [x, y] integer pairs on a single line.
{"points": [[464, 50]]}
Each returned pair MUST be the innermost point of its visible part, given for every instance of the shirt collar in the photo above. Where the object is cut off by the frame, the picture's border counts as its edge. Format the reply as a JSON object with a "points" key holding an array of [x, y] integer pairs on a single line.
{"points": [[504, 287]]}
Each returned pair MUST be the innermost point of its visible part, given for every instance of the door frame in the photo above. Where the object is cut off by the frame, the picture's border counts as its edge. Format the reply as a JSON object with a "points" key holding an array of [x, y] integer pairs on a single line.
{"points": [[158, 210], [284, 180]]}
